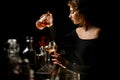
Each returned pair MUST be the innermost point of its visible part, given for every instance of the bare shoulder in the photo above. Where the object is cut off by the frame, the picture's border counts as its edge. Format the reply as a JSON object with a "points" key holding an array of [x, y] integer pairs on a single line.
{"points": [[92, 33]]}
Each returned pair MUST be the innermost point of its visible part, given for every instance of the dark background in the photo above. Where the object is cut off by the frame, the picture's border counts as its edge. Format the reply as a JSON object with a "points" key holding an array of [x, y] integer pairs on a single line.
{"points": [[18, 17]]}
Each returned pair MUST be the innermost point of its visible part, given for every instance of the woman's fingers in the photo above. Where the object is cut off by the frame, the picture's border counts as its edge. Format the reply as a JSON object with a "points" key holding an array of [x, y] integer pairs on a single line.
{"points": [[57, 60], [43, 16], [62, 66]]}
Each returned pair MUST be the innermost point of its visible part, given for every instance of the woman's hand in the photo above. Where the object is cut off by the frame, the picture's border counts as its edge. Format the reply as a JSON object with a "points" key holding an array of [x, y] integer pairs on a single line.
{"points": [[50, 19], [58, 59]]}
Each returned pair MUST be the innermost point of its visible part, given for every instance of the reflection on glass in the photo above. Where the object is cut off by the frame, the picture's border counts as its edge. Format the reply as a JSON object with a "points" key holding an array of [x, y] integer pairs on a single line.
{"points": [[51, 49], [43, 22]]}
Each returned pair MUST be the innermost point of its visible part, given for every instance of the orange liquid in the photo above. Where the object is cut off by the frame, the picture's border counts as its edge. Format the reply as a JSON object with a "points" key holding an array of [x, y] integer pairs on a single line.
{"points": [[41, 25], [49, 51]]}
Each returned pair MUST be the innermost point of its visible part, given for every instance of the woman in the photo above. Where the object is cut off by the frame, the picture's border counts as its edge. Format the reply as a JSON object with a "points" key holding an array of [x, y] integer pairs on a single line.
{"points": [[83, 55]]}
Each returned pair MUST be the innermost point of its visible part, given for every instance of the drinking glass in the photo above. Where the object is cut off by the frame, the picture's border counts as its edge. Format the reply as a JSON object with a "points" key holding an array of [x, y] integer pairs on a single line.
{"points": [[51, 49], [43, 22]]}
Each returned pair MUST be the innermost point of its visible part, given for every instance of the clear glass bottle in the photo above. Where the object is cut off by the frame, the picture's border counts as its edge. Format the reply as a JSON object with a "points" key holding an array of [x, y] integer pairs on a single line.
{"points": [[12, 51], [12, 48]]}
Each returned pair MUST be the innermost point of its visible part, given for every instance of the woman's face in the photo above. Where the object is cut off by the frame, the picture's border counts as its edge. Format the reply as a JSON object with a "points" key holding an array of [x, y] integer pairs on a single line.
{"points": [[75, 16]]}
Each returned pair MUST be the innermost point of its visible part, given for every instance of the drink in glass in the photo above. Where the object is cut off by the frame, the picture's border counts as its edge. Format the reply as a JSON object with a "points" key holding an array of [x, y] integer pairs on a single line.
{"points": [[43, 22]]}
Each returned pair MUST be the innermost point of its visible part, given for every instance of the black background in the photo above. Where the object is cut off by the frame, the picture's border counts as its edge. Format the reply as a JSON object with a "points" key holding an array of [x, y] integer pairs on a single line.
{"points": [[18, 17]]}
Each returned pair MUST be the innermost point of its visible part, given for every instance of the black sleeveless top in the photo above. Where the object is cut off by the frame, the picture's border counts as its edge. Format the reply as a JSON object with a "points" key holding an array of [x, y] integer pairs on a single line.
{"points": [[83, 55]]}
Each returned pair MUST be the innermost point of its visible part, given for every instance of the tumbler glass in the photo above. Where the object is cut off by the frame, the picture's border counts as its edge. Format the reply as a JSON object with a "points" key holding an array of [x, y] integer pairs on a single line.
{"points": [[43, 22]]}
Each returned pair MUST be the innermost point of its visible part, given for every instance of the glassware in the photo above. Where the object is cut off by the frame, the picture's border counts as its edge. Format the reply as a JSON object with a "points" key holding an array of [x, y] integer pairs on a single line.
{"points": [[43, 22], [12, 48], [47, 72], [51, 49]]}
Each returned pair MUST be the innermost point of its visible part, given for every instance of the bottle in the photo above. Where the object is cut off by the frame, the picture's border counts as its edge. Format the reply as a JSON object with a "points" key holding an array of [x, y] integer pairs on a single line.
{"points": [[12, 60], [42, 22], [29, 52]]}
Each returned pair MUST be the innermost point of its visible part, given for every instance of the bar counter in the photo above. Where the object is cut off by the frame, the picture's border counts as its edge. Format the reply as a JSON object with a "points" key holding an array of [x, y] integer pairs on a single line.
{"points": [[54, 72]]}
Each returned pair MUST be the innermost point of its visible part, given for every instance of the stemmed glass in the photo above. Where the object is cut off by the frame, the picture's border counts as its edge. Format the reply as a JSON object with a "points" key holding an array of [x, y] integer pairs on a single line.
{"points": [[51, 49]]}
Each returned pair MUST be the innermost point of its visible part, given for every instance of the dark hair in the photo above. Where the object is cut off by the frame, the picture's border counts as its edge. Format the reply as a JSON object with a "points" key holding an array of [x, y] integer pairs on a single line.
{"points": [[91, 9]]}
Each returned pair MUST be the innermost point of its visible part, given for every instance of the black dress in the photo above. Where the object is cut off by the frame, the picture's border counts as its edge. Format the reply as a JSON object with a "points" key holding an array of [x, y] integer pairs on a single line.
{"points": [[84, 56]]}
